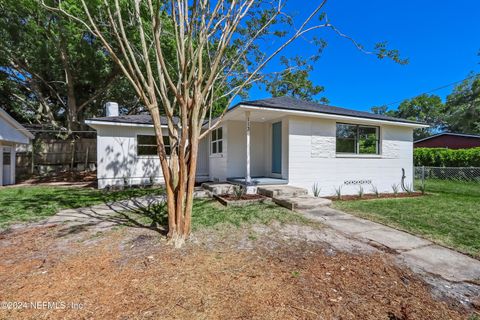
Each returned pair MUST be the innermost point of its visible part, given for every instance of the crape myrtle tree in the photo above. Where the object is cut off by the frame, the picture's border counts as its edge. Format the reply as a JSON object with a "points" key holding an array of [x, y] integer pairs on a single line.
{"points": [[220, 48]]}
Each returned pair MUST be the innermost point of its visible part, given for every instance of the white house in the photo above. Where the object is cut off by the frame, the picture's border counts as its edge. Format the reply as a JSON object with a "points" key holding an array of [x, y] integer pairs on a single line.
{"points": [[273, 141], [12, 133]]}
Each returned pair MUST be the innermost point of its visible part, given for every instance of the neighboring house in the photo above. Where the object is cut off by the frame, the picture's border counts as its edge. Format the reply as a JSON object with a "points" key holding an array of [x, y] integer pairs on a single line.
{"points": [[275, 141], [449, 141], [12, 133]]}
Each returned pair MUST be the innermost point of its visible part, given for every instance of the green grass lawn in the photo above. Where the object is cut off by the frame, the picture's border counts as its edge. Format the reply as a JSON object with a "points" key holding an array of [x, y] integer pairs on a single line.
{"points": [[209, 213], [449, 214], [33, 203]]}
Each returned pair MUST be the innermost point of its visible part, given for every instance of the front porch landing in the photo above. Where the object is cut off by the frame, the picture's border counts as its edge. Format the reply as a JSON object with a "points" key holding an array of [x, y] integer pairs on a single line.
{"points": [[259, 181]]}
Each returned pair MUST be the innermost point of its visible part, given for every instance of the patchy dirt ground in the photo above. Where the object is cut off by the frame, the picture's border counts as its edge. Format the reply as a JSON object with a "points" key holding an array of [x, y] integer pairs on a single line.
{"points": [[251, 273], [63, 178]]}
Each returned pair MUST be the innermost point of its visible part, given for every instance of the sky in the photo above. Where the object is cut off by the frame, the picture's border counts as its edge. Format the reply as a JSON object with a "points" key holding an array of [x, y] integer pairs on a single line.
{"points": [[441, 39]]}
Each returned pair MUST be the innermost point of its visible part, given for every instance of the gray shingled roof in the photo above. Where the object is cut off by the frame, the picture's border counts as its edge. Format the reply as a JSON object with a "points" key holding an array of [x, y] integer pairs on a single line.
{"points": [[282, 103], [288, 103], [136, 119]]}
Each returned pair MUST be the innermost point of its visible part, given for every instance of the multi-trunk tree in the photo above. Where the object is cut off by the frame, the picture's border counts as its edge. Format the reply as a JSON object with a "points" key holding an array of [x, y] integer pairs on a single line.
{"points": [[185, 60]]}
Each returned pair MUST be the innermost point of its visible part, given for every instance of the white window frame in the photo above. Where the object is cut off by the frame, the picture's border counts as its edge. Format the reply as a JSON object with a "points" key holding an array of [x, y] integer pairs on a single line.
{"points": [[151, 145], [216, 141], [357, 141]]}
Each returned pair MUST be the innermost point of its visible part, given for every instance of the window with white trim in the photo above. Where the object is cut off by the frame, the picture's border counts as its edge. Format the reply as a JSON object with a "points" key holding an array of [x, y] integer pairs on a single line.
{"points": [[357, 139], [216, 141], [147, 145]]}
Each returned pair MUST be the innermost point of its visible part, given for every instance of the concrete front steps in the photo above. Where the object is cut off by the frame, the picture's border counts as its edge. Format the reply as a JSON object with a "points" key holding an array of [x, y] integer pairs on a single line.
{"points": [[293, 198], [290, 197], [217, 188], [303, 202], [281, 190]]}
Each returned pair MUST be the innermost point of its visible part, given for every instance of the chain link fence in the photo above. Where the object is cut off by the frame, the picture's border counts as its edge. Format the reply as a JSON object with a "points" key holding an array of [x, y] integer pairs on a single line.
{"points": [[470, 174]]}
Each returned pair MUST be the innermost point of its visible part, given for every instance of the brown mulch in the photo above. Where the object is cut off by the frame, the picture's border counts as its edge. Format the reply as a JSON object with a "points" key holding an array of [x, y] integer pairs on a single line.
{"points": [[124, 274], [63, 176], [374, 196]]}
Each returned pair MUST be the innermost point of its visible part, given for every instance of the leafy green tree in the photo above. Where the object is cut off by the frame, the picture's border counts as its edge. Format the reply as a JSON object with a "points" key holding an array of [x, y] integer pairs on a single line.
{"points": [[462, 109], [51, 69], [381, 110], [294, 80], [425, 108]]}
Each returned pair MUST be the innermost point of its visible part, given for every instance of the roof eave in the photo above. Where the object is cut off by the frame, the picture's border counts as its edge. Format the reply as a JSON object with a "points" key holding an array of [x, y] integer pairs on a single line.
{"points": [[92, 123], [16, 124], [330, 116]]}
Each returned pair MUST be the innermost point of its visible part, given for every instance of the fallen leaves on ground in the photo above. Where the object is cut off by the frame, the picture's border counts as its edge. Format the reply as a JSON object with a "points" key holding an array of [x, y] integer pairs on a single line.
{"points": [[124, 274]]}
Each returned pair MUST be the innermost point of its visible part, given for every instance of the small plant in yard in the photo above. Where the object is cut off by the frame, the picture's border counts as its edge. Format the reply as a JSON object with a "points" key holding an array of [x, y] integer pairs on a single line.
{"points": [[375, 191], [295, 274], [474, 317], [338, 192], [252, 237], [395, 189], [422, 188], [361, 192], [408, 188], [316, 190], [238, 192]]}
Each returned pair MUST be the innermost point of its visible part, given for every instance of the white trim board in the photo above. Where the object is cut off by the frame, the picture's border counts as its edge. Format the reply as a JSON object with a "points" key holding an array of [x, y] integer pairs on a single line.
{"points": [[333, 116]]}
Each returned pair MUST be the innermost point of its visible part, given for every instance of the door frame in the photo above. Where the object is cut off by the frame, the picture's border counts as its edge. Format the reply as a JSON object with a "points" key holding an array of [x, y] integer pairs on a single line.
{"points": [[7, 178], [276, 174]]}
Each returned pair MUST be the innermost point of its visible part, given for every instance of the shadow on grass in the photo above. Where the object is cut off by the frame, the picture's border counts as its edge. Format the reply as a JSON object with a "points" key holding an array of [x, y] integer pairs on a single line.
{"points": [[147, 212], [83, 208]]}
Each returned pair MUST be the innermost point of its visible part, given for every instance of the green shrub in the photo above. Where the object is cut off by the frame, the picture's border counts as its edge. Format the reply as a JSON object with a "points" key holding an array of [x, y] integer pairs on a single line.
{"points": [[438, 157]]}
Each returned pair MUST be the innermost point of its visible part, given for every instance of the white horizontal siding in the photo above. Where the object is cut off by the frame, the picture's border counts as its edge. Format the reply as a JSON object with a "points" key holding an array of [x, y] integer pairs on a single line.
{"points": [[117, 158], [237, 155], [318, 163], [9, 133], [232, 163]]}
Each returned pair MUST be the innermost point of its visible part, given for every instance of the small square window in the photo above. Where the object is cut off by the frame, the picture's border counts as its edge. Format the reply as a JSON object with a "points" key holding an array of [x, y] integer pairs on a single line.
{"points": [[216, 143], [147, 145], [357, 139]]}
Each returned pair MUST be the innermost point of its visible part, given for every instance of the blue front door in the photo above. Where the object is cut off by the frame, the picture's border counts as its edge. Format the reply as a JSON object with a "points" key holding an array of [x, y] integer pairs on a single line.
{"points": [[277, 147]]}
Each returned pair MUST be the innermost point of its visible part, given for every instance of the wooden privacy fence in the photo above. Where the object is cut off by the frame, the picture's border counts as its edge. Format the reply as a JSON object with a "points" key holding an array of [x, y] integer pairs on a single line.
{"points": [[47, 155]]}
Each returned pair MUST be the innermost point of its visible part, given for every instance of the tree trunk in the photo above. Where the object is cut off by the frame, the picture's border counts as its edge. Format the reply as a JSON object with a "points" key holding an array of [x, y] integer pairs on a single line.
{"points": [[72, 121], [180, 198], [179, 174]]}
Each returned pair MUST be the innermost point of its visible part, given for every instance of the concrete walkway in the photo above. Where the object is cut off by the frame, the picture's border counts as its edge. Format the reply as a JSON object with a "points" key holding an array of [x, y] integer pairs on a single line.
{"points": [[417, 253], [107, 215]]}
